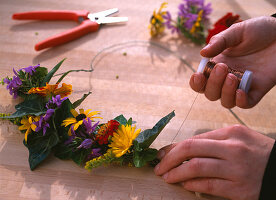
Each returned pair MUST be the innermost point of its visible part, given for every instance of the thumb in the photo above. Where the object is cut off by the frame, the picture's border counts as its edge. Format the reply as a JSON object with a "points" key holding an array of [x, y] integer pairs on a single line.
{"points": [[228, 38]]}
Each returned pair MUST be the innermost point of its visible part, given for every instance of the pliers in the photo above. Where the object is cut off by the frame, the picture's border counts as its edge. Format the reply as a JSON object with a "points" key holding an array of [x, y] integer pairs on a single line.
{"points": [[89, 22]]}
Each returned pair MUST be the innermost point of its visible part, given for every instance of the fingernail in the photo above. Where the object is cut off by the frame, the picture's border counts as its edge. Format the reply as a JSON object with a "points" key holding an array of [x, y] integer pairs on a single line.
{"points": [[160, 154], [165, 176], [157, 167], [229, 81], [220, 70], [197, 79], [206, 47]]}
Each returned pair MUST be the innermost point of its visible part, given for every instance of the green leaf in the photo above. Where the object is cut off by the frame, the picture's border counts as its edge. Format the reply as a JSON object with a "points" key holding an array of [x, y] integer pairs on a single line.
{"points": [[61, 114], [40, 146], [78, 102], [141, 158], [66, 73], [80, 155], [146, 138], [121, 119], [38, 76], [34, 106], [129, 122], [51, 74], [63, 151]]}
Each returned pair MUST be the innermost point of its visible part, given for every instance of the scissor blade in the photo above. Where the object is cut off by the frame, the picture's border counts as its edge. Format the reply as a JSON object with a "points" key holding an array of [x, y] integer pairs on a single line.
{"points": [[107, 20], [103, 13]]}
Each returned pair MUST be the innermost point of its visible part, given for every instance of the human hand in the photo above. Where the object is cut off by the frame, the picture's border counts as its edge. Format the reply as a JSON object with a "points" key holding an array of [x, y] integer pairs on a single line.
{"points": [[228, 162], [248, 45]]}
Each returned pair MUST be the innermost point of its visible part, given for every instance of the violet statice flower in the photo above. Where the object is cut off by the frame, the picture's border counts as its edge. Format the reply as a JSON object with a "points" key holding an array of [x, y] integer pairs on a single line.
{"points": [[94, 154], [43, 124], [31, 69], [88, 126], [169, 22], [13, 84], [55, 102], [86, 144]]}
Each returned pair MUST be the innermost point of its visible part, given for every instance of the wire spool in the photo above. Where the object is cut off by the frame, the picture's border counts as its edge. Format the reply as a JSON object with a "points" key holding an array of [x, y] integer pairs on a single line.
{"points": [[245, 78]]}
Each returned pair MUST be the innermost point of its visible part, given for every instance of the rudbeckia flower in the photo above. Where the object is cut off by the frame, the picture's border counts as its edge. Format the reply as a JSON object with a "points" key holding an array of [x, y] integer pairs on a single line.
{"points": [[122, 140], [52, 90], [28, 125], [77, 120], [156, 22]]}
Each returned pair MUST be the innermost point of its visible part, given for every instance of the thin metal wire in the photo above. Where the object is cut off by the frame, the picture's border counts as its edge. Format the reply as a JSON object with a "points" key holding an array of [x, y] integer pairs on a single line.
{"points": [[144, 42]]}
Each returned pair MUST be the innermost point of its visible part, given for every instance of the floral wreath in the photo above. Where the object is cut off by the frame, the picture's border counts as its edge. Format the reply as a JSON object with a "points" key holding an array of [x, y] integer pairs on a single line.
{"points": [[51, 123]]}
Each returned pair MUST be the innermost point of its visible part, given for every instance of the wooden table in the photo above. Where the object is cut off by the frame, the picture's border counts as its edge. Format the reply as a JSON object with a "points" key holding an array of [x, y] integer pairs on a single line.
{"points": [[151, 82]]}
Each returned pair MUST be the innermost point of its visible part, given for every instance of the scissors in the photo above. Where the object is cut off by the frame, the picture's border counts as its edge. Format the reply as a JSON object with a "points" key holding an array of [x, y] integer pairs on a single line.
{"points": [[89, 22]]}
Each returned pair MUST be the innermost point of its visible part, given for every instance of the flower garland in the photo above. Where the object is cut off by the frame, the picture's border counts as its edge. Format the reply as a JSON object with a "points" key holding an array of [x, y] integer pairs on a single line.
{"points": [[51, 123]]}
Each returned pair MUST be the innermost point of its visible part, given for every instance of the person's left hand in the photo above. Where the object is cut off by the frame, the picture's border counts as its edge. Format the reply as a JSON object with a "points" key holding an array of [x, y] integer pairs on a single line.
{"points": [[228, 162]]}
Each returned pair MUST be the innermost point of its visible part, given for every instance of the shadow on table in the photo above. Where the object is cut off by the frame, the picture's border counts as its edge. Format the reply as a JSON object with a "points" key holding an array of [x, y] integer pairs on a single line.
{"points": [[184, 50]]}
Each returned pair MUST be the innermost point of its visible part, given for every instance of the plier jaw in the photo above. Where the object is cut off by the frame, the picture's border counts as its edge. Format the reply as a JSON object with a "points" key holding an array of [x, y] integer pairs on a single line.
{"points": [[89, 22]]}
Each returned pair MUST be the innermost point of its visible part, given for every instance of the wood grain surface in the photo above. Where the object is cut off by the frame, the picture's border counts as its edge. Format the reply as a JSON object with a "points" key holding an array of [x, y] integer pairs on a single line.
{"points": [[145, 84]]}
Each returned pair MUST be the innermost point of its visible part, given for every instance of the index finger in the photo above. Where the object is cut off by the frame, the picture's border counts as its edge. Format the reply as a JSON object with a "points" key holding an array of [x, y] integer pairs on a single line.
{"points": [[188, 149]]}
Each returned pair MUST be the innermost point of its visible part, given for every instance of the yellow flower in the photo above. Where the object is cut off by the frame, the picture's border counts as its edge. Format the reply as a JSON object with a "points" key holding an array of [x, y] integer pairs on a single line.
{"points": [[28, 125], [77, 120], [197, 23], [156, 23], [122, 140], [52, 90]]}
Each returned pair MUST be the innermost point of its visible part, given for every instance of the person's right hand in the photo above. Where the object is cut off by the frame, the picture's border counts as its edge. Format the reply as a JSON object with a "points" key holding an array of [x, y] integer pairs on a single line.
{"points": [[248, 45]]}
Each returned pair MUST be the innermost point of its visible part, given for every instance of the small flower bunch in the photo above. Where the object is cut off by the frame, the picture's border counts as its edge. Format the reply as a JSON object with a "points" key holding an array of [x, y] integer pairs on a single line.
{"points": [[190, 22], [222, 24], [156, 25], [191, 19], [51, 123]]}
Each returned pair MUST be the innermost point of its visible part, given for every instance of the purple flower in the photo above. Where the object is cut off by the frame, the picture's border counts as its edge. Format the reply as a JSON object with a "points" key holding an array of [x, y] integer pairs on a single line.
{"points": [[189, 9], [55, 102], [86, 144], [43, 124], [13, 84], [169, 22], [88, 126], [94, 154], [30, 69]]}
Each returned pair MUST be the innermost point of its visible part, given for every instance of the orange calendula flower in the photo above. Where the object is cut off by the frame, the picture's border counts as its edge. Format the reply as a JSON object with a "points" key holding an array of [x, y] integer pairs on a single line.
{"points": [[52, 90]]}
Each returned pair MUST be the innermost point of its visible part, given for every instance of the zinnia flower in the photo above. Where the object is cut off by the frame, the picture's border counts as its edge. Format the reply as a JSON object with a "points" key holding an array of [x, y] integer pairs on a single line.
{"points": [[156, 22], [52, 90], [106, 131], [77, 120], [122, 140], [28, 125]]}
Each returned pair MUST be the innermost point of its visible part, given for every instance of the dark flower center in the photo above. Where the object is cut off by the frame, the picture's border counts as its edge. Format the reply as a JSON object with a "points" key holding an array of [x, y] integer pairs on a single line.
{"points": [[80, 117]]}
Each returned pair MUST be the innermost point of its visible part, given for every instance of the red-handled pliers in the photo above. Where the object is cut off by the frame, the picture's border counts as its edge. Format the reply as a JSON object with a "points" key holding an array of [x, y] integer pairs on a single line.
{"points": [[90, 22]]}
